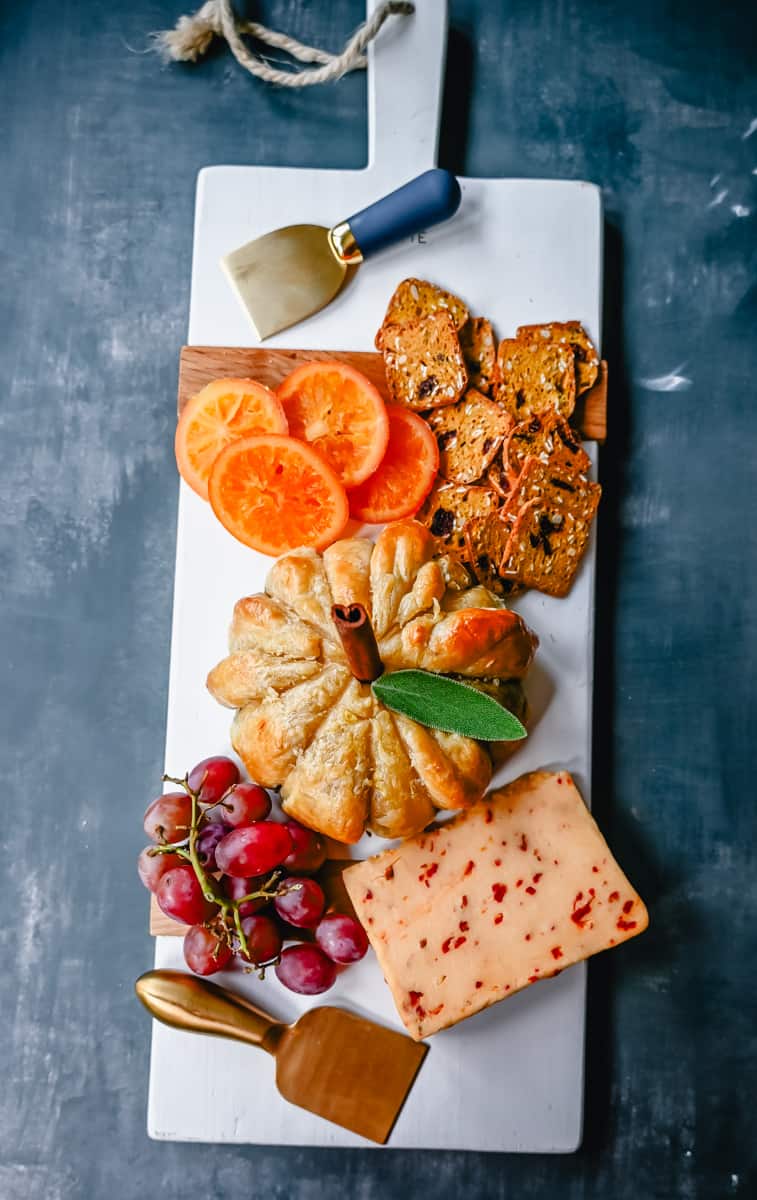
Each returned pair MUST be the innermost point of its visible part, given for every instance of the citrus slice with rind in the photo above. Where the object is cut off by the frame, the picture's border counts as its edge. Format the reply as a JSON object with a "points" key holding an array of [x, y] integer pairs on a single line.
{"points": [[275, 493], [405, 475], [224, 411], [339, 412]]}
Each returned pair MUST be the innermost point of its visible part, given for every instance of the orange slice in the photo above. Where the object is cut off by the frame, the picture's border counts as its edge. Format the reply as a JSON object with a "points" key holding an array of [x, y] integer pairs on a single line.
{"points": [[225, 410], [405, 476], [274, 493], [339, 412]]}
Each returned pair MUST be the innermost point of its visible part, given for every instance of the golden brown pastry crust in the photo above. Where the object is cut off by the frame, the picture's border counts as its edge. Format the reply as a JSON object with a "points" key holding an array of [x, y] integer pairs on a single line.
{"points": [[455, 770], [259, 623], [330, 784], [401, 803], [304, 724], [348, 572], [269, 737], [249, 675]]}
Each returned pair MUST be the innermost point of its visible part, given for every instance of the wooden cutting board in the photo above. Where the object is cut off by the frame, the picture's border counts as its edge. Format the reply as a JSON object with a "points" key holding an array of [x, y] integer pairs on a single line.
{"points": [[269, 365]]}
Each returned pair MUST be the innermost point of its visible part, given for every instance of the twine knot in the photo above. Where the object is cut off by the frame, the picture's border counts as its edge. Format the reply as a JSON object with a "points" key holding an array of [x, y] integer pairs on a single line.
{"points": [[192, 35]]}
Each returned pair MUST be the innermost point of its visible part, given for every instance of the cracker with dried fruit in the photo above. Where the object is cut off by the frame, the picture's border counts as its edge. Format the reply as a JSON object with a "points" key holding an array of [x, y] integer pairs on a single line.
{"points": [[568, 333], [449, 508], [551, 521], [480, 352], [535, 378], [549, 438], [414, 299], [423, 360], [469, 435]]}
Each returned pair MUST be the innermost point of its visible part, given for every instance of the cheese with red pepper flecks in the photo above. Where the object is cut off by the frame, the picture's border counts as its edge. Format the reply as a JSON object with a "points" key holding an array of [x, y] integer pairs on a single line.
{"points": [[511, 892]]}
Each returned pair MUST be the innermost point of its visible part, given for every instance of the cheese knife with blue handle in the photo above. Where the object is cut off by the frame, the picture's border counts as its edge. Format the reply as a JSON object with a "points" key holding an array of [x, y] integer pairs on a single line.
{"points": [[289, 274]]}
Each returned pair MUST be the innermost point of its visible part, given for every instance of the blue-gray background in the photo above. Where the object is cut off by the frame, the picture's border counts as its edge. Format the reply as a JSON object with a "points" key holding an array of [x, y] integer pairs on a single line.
{"points": [[100, 146]]}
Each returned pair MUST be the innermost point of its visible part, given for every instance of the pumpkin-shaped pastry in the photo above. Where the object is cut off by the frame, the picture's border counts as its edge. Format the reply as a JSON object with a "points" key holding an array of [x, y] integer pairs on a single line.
{"points": [[306, 724]]}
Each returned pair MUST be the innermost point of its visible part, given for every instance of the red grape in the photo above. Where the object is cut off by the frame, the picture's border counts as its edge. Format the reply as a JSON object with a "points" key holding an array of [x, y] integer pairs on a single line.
{"points": [[180, 896], [204, 953], [152, 867], [305, 969], [300, 901], [245, 803], [168, 818], [235, 888], [207, 840], [341, 937], [308, 850], [212, 777], [263, 940], [253, 849]]}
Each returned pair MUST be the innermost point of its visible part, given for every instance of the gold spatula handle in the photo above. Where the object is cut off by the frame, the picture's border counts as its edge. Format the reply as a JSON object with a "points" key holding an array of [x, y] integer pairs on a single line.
{"points": [[198, 1006]]}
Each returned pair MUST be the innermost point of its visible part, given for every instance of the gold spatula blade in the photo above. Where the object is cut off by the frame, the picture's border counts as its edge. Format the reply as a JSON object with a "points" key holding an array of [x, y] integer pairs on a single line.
{"points": [[284, 276], [347, 1069], [337, 1065]]}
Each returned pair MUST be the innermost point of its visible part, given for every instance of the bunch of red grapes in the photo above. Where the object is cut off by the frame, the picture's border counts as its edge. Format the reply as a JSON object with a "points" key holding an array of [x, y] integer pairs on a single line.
{"points": [[243, 883]]}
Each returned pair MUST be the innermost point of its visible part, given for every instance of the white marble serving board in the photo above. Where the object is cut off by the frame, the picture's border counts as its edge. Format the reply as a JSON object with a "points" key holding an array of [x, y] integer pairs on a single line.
{"points": [[518, 251]]}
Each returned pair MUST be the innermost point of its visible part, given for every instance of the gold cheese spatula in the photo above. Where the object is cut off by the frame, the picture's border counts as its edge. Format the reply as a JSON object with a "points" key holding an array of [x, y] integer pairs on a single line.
{"points": [[291, 273], [331, 1062]]}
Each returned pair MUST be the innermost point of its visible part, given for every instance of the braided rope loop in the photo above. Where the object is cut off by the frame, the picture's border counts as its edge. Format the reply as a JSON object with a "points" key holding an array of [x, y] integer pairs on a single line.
{"points": [[192, 35]]}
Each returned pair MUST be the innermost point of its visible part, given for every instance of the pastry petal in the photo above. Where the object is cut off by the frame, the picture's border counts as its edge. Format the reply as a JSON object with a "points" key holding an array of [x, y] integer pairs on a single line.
{"points": [[298, 581], [456, 772], [400, 551], [348, 565], [400, 805], [473, 763], [479, 642], [269, 736], [251, 675], [329, 787], [260, 623], [427, 590], [471, 597]]}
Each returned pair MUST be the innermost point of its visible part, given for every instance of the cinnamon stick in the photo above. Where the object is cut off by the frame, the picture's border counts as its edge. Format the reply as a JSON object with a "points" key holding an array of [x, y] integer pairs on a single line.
{"points": [[359, 641]]}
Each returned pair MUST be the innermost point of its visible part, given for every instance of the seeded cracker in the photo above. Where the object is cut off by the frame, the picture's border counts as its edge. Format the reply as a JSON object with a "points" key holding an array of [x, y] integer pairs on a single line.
{"points": [[568, 333], [488, 539], [414, 299], [497, 477], [536, 378], [549, 438], [552, 516], [448, 509], [480, 352], [423, 362], [468, 434]]}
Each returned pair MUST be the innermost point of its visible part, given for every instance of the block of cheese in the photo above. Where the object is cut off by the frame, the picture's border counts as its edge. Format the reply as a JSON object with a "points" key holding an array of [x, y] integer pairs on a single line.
{"points": [[510, 892]]}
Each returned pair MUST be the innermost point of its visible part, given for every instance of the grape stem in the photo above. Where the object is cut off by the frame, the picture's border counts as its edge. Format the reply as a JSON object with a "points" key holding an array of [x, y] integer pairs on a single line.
{"points": [[180, 848], [219, 803], [211, 891], [264, 892], [240, 932]]}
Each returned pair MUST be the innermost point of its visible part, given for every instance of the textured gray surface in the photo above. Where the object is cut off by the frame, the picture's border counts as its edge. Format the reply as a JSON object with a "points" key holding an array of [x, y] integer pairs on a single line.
{"points": [[658, 103]]}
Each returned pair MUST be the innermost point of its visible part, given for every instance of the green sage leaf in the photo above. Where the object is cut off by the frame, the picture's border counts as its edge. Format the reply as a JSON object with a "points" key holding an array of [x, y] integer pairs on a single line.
{"points": [[447, 704]]}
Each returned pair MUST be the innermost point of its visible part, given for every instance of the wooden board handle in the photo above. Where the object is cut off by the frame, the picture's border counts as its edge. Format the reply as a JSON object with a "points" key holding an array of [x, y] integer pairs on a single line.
{"points": [[405, 83]]}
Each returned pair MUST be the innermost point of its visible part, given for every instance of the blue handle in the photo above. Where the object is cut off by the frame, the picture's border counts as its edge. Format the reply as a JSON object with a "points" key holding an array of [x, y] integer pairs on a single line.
{"points": [[431, 197]]}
